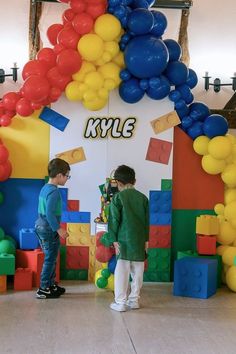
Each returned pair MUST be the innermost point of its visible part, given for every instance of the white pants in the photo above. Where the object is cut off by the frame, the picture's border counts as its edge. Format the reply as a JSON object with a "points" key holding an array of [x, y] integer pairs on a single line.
{"points": [[122, 275]]}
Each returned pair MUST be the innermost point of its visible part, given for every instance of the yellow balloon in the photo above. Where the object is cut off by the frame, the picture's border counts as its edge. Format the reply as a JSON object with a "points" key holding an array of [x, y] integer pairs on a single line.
{"points": [[110, 284], [107, 26], [219, 209], [96, 104], [72, 91], [200, 145], [89, 95], [86, 68], [230, 195], [97, 275], [119, 60], [112, 48], [231, 278], [231, 138], [109, 84], [91, 47], [230, 211], [229, 175], [94, 80], [227, 233], [221, 249], [111, 71], [228, 256], [212, 166], [103, 93], [106, 57], [220, 147]]}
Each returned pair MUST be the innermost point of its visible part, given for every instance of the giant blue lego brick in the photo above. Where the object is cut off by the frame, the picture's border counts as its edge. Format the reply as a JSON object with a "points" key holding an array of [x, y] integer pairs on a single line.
{"points": [[64, 197], [75, 217], [28, 239], [195, 277], [20, 207], [54, 118], [160, 218], [160, 201]]}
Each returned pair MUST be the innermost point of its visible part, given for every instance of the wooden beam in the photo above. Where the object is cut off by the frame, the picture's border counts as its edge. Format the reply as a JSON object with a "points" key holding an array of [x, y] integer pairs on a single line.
{"points": [[34, 33], [183, 37]]}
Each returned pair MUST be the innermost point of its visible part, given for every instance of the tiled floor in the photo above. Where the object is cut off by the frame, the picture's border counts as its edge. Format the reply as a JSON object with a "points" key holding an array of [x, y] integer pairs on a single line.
{"points": [[81, 322]]}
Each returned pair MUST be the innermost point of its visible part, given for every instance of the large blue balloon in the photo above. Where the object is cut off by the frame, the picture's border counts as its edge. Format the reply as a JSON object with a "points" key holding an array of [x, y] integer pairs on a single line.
{"points": [[192, 79], [215, 125], [174, 49], [160, 91], [199, 111], [112, 264], [130, 91], [177, 73], [146, 56], [140, 21], [160, 23], [195, 130]]}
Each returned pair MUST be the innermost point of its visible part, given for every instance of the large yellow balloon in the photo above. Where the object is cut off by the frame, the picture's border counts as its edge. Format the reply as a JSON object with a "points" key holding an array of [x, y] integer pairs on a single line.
{"points": [[230, 211], [227, 233], [96, 104], [111, 71], [231, 278], [86, 68], [212, 166], [72, 91], [200, 145], [220, 147], [229, 175], [91, 47], [107, 26], [228, 256], [221, 249], [94, 80], [110, 284], [230, 195]]}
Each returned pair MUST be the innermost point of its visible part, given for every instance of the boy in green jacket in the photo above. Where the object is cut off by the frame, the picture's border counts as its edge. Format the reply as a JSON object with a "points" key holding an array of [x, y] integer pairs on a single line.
{"points": [[128, 227]]}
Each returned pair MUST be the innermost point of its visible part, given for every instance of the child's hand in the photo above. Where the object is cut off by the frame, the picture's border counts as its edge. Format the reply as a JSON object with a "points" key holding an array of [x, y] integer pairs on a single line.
{"points": [[62, 233], [117, 247], [146, 246]]}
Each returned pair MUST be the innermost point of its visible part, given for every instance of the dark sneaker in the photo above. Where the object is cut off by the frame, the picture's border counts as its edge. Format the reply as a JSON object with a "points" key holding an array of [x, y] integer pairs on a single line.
{"points": [[57, 289], [46, 294]]}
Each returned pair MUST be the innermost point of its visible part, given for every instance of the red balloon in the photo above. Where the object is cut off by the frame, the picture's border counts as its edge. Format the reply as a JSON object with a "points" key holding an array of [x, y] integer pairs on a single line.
{"points": [[54, 94], [11, 114], [69, 61], [36, 88], [58, 48], [5, 120], [10, 100], [58, 80], [5, 171], [47, 56], [68, 38], [34, 67], [96, 10], [24, 108], [103, 254], [78, 6], [68, 15], [4, 154], [2, 111], [36, 105], [83, 23], [52, 32]]}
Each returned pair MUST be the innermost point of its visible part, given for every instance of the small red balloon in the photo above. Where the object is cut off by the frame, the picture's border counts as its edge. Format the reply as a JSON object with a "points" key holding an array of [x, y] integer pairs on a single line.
{"points": [[10, 100], [5, 120], [24, 108], [69, 61], [68, 38], [52, 32], [5, 171], [4, 154], [58, 80], [48, 57], [36, 88], [78, 6], [83, 23]]}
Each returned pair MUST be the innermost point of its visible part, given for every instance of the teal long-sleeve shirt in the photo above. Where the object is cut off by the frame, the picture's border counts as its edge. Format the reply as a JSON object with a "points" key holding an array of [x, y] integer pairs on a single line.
{"points": [[128, 223], [49, 207]]}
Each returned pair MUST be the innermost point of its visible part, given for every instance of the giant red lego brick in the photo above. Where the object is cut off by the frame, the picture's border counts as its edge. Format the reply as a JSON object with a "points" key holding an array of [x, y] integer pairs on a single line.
{"points": [[34, 260], [206, 245], [159, 236], [159, 151], [73, 205], [23, 279], [77, 257], [193, 188]]}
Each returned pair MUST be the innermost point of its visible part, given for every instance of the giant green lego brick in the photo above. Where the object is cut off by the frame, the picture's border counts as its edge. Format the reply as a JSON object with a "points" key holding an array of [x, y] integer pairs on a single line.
{"points": [[166, 184], [7, 264], [158, 265], [156, 276], [74, 274]]}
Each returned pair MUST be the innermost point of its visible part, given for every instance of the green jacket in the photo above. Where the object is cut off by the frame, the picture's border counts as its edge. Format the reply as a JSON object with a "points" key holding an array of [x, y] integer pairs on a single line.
{"points": [[128, 223]]}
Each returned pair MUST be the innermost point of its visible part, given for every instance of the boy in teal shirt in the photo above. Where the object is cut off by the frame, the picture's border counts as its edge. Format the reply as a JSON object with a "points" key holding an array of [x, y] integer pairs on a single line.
{"points": [[128, 228], [47, 227]]}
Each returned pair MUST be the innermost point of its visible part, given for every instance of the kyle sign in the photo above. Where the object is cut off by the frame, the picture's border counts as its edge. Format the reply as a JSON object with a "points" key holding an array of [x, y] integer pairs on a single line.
{"points": [[113, 127]]}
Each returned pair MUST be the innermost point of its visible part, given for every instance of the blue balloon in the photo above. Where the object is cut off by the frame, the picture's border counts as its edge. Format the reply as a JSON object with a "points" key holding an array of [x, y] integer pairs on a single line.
{"points": [[114, 3], [215, 125], [174, 95], [199, 111], [125, 75], [119, 12], [174, 49], [195, 130], [184, 91], [112, 264], [139, 4], [176, 72], [154, 82], [144, 84], [140, 21], [146, 56], [160, 23], [192, 79], [186, 122], [181, 108], [158, 92], [130, 91]]}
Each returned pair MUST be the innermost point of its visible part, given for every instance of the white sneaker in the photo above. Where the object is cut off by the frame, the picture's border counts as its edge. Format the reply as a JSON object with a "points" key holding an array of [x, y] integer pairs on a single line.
{"points": [[118, 307], [133, 305]]}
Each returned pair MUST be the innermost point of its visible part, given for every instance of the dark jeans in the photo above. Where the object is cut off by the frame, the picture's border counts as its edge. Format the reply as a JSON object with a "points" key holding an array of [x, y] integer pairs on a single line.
{"points": [[50, 244]]}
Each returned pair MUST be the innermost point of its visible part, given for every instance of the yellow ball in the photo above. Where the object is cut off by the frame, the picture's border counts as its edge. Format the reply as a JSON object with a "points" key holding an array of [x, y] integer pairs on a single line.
{"points": [[94, 80], [227, 233], [112, 48], [107, 26], [231, 138], [89, 95], [212, 166], [119, 60], [229, 175], [86, 68], [110, 71], [91, 47], [103, 93], [220, 147], [200, 145], [110, 284], [231, 278], [219, 209], [221, 249], [96, 104], [72, 91], [230, 195], [228, 256], [230, 211]]}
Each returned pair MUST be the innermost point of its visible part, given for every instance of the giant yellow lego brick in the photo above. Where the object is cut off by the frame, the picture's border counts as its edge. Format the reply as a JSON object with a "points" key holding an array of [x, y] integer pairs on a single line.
{"points": [[165, 122], [72, 156], [27, 140], [79, 235], [207, 225]]}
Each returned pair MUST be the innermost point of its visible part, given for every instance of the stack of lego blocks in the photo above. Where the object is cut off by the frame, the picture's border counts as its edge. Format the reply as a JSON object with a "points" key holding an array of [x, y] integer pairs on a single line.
{"points": [[198, 274], [7, 259], [157, 265]]}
